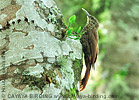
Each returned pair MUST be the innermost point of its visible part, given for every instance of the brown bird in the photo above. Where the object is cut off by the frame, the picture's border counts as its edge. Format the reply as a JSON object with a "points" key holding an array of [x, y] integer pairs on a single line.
{"points": [[89, 41]]}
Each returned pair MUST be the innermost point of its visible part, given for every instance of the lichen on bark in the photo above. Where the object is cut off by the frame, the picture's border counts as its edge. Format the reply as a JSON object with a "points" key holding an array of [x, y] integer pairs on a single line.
{"points": [[35, 55]]}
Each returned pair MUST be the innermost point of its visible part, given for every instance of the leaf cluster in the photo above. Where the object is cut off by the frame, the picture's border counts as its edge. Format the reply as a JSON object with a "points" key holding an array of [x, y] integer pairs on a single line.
{"points": [[69, 31]]}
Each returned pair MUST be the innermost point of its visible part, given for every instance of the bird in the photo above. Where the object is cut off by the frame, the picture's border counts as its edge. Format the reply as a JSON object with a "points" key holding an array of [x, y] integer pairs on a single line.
{"points": [[89, 41]]}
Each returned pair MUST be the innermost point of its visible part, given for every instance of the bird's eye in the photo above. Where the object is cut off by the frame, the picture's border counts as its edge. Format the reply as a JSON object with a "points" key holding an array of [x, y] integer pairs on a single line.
{"points": [[93, 18]]}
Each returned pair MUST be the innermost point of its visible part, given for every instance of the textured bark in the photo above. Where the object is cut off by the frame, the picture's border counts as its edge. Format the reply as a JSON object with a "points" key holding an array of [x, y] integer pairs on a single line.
{"points": [[35, 58]]}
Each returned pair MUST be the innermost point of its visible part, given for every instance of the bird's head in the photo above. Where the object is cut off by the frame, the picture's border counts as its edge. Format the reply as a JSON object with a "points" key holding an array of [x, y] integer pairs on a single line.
{"points": [[91, 20]]}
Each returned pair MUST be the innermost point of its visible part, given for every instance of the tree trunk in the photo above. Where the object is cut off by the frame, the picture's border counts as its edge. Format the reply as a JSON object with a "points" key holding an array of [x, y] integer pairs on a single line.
{"points": [[36, 60]]}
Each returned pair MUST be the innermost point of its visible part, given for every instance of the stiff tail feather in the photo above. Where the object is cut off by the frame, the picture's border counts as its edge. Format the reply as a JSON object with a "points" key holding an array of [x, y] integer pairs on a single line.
{"points": [[84, 81]]}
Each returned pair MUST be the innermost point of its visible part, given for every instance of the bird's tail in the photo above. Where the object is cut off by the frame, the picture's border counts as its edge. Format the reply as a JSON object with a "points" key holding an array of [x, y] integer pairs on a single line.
{"points": [[84, 81]]}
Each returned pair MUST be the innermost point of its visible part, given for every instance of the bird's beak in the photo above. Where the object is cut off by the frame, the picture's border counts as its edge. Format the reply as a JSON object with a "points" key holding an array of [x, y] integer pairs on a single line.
{"points": [[86, 12], [88, 15]]}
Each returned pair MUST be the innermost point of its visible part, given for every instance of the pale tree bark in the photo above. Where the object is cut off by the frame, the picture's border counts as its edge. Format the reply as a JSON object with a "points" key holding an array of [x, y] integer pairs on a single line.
{"points": [[36, 60]]}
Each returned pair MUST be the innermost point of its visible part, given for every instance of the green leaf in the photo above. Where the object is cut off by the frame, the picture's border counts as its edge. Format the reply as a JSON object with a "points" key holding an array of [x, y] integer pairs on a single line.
{"points": [[72, 19], [69, 31], [82, 33], [77, 38], [79, 29], [75, 35]]}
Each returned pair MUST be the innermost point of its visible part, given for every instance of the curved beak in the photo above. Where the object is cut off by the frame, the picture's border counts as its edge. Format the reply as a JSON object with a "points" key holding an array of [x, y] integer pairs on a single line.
{"points": [[86, 12]]}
